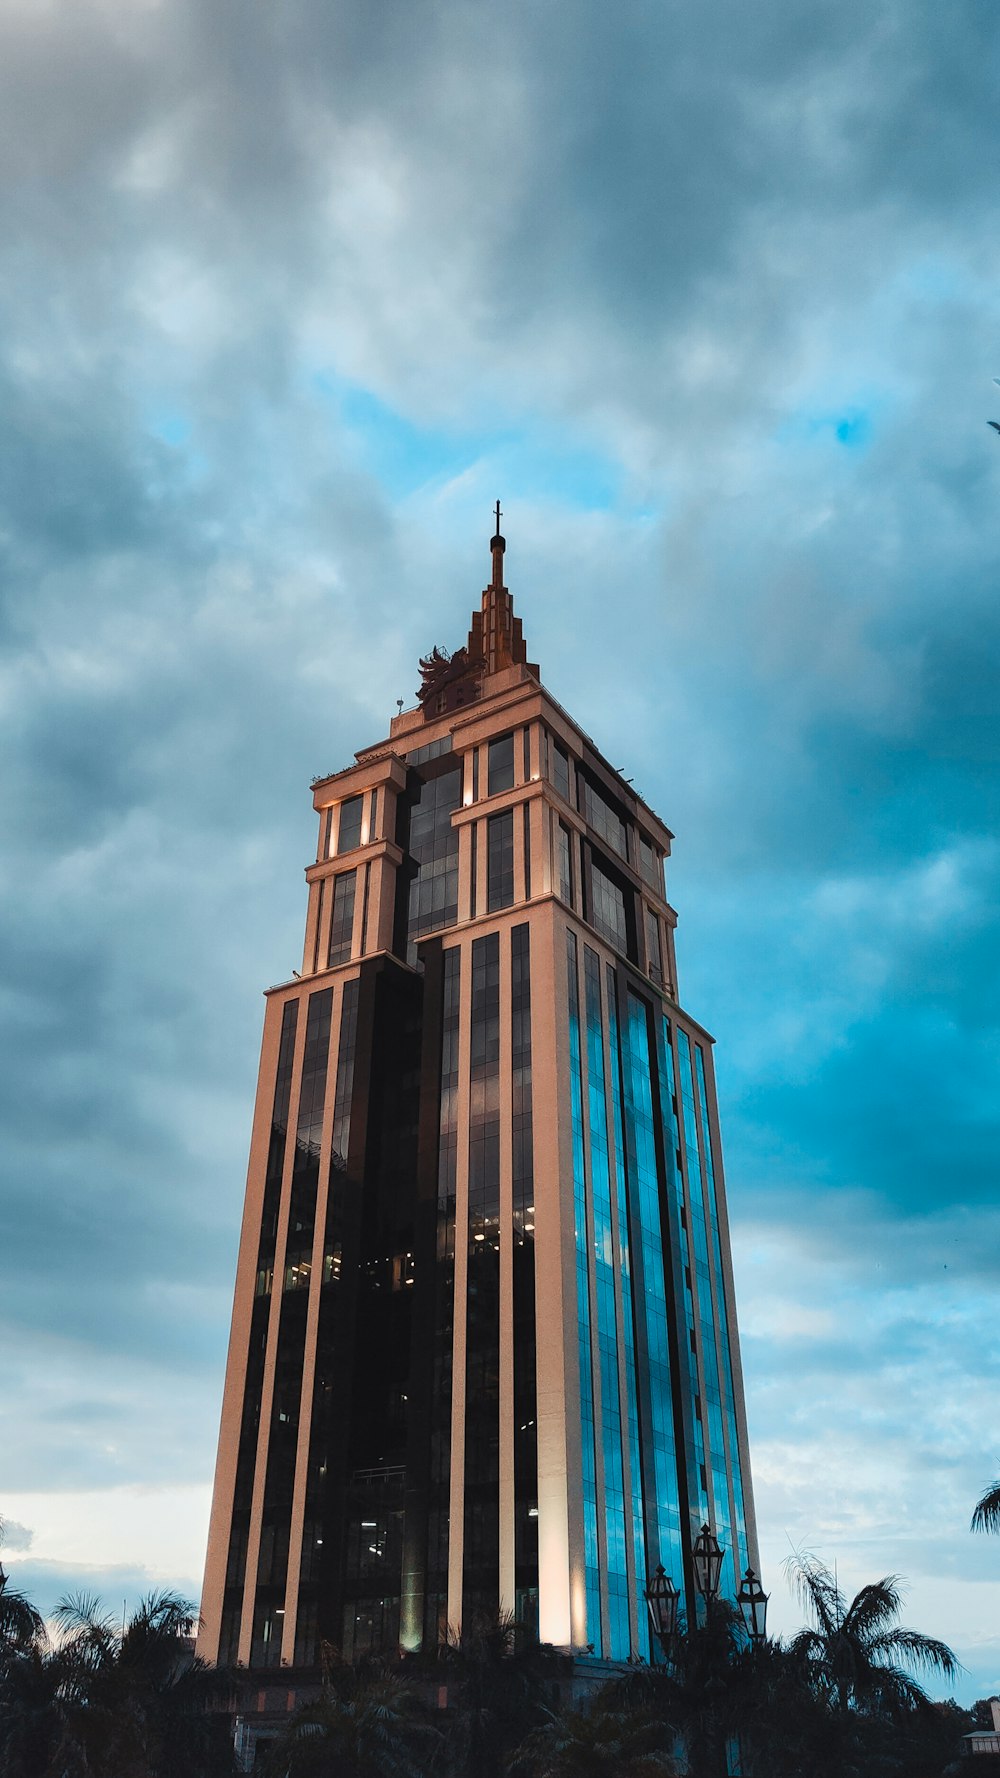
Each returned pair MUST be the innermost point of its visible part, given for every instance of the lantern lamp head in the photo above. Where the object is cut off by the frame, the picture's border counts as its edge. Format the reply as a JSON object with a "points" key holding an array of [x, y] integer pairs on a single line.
{"points": [[707, 1554], [663, 1600], [752, 1601]]}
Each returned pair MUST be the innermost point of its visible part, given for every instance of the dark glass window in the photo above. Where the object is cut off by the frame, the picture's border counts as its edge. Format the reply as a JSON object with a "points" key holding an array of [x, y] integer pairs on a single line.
{"points": [[527, 849], [500, 860], [433, 750], [650, 864], [523, 1209], [433, 846], [653, 954], [349, 831], [526, 735], [342, 918], [482, 1360], [607, 911], [501, 772], [565, 853], [559, 760], [475, 774], [604, 818]]}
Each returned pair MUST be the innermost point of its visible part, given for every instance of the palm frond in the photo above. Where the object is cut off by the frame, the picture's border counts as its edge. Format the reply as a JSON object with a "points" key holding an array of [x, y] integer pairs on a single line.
{"points": [[925, 1653], [876, 1604], [817, 1590], [987, 1514]]}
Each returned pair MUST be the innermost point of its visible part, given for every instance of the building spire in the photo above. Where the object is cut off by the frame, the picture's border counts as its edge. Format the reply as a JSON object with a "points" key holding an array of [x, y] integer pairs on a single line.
{"points": [[497, 546]]}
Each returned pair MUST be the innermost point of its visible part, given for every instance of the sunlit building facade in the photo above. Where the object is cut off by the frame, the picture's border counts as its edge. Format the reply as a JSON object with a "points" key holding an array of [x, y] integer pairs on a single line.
{"points": [[484, 1352]]}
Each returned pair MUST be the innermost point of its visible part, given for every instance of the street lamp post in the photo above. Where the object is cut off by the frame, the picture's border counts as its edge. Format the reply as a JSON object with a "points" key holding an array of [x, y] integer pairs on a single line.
{"points": [[663, 1600], [752, 1601]]}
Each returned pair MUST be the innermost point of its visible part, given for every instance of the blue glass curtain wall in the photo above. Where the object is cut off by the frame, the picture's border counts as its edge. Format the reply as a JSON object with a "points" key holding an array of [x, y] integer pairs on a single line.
{"points": [[619, 1643], [638, 1522], [729, 1393], [665, 1542]]}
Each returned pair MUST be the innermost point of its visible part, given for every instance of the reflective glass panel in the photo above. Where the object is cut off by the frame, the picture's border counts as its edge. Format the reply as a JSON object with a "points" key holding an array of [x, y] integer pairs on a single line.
{"points": [[349, 830]]}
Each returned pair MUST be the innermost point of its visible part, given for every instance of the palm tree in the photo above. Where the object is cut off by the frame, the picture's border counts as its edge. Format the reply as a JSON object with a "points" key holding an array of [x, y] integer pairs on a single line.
{"points": [[602, 1742], [497, 1691], [20, 1624], [366, 1723], [127, 1701], [987, 1514], [857, 1655]]}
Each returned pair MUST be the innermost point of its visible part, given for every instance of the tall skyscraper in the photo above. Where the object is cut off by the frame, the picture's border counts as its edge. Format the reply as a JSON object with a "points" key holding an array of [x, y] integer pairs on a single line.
{"points": [[484, 1352]]}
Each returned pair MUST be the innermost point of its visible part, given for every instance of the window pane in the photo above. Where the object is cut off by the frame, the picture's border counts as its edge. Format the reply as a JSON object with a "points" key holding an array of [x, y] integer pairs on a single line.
{"points": [[560, 769], [650, 864], [604, 817], [501, 771], [500, 860], [349, 832], [607, 914], [565, 865], [342, 918], [653, 954], [433, 847]]}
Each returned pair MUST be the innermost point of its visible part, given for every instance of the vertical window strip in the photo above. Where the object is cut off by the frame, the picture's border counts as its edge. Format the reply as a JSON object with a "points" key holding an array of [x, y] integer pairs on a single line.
{"points": [[620, 1642], [564, 843], [661, 1489], [318, 938], [344, 1087], [433, 848], [500, 765], [342, 919], [327, 831], [500, 861], [482, 1360], [523, 1211], [526, 734], [628, 1321], [282, 1445], [246, 1455], [475, 774], [729, 1402], [695, 1451], [715, 1447], [527, 849], [349, 824], [474, 871], [654, 958], [323, 1431], [592, 1570], [436, 1589], [364, 910]]}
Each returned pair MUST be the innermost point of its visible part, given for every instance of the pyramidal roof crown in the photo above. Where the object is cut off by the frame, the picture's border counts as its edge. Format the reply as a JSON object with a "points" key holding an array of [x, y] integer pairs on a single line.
{"points": [[495, 643]]}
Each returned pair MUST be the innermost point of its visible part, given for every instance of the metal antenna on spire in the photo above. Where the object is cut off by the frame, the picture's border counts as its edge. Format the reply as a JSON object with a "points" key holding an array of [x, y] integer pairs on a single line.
{"points": [[497, 531]]}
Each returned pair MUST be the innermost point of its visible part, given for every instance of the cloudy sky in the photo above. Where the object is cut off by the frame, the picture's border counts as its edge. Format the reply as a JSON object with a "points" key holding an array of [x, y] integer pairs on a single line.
{"points": [[708, 294]]}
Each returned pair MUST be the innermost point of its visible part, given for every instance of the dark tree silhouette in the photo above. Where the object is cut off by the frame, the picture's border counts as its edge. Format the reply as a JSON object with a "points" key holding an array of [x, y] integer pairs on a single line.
{"points": [[987, 1514]]}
